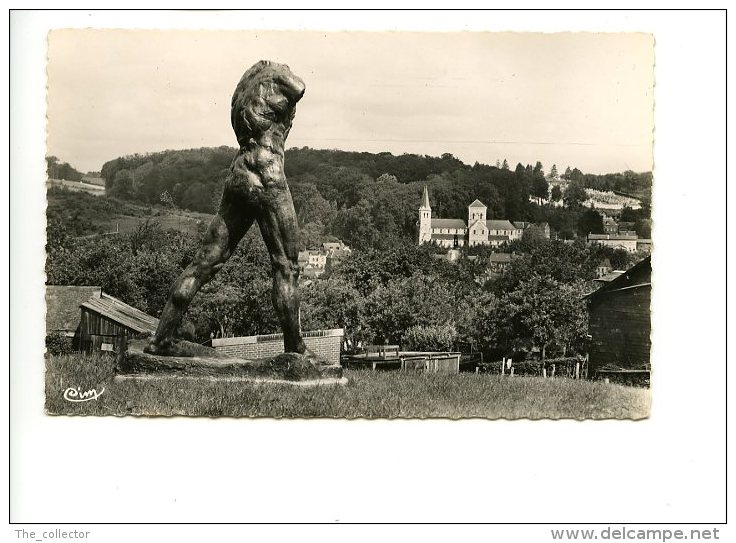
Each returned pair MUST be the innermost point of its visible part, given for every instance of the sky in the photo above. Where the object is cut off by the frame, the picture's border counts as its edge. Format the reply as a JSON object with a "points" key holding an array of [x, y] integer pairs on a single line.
{"points": [[582, 100]]}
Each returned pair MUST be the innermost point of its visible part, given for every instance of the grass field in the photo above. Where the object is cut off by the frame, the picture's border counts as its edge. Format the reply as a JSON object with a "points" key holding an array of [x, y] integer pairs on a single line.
{"points": [[101, 214], [367, 395]]}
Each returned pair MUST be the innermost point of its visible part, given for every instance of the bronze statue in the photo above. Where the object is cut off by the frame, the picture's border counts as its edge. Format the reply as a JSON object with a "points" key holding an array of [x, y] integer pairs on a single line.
{"points": [[262, 110]]}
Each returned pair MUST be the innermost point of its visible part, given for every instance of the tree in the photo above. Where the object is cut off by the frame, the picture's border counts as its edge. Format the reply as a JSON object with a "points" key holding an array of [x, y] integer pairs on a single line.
{"points": [[505, 165], [533, 234], [567, 173], [354, 225], [576, 175], [541, 312], [590, 222], [574, 195], [553, 172], [538, 170], [556, 193], [167, 200], [122, 185], [197, 198], [403, 302], [433, 337], [310, 205], [562, 262], [333, 302], [540, 186]]}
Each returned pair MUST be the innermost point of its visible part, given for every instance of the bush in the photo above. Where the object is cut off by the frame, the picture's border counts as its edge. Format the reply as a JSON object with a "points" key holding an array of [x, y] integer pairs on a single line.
{"points": [[58, 344], [436, 337]]}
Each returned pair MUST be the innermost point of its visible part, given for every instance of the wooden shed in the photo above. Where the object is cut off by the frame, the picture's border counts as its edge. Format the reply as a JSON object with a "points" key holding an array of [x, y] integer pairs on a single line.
{"points": [[106, 320], [620, 322]]}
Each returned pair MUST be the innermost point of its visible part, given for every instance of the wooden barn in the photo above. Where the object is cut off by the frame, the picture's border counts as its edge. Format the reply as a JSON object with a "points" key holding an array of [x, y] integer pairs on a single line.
{"points": [[619, 321], [106, 320]]}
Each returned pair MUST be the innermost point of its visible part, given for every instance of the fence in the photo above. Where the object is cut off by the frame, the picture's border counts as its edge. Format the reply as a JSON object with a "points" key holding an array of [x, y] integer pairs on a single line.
{"points": [[571, 367], [441, 363]]}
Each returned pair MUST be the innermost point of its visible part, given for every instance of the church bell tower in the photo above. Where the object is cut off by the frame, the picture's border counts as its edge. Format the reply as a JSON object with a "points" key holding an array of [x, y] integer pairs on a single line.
{"points": [[425, 219]]}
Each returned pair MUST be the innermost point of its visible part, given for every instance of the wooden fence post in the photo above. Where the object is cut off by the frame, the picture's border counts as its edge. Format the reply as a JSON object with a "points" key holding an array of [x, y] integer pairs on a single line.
{"points": [[512, 371], [503, 366], [577, 370], [553, 370]]}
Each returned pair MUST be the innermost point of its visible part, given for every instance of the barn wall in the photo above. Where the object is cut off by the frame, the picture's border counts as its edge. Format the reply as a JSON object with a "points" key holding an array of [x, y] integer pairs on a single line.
{"points": [[96, 324], [620, 327], [95, 329]]}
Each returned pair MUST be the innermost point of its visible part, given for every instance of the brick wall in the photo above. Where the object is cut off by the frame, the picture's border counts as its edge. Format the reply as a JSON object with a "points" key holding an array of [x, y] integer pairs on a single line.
{"points": [[323, 343]]}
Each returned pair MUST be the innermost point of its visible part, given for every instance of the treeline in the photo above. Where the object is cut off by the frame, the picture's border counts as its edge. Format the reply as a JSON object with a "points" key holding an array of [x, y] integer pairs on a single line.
{"points": [[638, 185], [192, 178], [366, 199], [56, 169]]}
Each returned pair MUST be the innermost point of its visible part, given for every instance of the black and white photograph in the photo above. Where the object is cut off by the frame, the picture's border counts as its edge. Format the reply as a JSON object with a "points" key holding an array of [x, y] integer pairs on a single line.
{"points": [[461, 228], [384, 267]]}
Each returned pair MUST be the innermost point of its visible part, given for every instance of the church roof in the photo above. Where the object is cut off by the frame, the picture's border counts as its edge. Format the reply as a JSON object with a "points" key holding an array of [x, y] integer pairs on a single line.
{"points": [[500, 225], [444, 236], [448, 223], [425, 198], [478, 203], [478, 223]]}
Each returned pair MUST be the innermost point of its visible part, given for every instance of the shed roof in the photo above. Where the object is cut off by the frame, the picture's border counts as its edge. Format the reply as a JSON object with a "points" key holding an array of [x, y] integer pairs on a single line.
{"points": [[639, 275], [448, 223], [122, 313], [498, 238], [610, 276], [62, 306]]}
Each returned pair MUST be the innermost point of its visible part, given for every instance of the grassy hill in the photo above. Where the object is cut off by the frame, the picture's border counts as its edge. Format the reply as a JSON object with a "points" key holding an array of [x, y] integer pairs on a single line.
{"points": [[83, 214]]}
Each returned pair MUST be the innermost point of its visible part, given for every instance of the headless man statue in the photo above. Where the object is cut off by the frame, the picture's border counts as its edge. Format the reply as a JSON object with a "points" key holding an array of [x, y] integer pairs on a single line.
{"points": [[262, 110]]}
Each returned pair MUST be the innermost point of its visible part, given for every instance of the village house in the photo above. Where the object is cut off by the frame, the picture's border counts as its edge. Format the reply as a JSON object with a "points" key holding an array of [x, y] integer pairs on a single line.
{"points": [[313, 263], [544, 228], [619, 320], [644, 245], [604, 267], [477, 230], [609, 225], [627, 242], [336, 249]]}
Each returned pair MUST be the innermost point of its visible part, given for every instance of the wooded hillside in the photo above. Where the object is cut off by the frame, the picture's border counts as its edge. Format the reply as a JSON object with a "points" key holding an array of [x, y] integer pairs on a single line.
{"points": [[364, 198]]}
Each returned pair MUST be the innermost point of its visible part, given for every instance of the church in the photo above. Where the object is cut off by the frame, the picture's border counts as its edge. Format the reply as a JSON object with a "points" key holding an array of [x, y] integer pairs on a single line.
{"points": [[458, 233]]}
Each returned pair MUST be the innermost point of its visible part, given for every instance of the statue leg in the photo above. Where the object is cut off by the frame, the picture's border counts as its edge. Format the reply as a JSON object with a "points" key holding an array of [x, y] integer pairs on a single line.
{"points": [[280, 232], [222, 237]]}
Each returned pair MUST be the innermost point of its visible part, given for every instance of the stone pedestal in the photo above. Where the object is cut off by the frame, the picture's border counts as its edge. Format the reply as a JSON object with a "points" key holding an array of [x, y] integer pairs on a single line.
{"points": [[207, 362]]}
